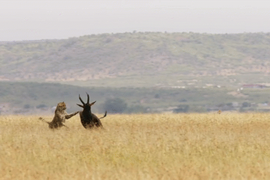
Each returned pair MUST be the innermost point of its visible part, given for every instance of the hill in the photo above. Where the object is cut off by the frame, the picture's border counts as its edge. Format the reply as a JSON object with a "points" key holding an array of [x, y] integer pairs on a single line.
{"points": [[140, 59]]}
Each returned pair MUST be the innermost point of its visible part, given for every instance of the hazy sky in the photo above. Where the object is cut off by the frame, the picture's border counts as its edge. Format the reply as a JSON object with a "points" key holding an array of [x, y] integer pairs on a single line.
{"points": [[58, 19]]}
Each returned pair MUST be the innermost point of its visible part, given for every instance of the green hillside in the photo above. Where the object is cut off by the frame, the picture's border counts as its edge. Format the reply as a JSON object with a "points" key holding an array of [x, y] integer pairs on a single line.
{"points": [[37, 98], [140, 60]]}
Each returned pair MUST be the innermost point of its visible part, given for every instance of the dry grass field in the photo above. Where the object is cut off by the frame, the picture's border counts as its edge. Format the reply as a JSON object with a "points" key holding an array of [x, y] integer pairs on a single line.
{"points": [[156, 146]]}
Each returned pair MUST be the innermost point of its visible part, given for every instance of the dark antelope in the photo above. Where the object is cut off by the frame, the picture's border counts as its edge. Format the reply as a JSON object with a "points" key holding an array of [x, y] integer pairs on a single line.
{"points": [[88, 119]]}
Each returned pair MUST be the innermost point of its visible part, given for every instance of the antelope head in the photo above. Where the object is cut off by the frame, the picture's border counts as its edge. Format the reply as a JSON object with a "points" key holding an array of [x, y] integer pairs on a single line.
{"points": [[86, 106]]}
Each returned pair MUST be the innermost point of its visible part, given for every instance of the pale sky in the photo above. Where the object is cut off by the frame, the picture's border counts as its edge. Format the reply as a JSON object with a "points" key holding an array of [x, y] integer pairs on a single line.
{"points": [[60, 19]]}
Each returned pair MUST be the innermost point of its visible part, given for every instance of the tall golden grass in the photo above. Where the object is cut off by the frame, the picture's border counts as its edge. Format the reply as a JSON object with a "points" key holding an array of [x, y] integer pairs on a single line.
{"points": [[156, 146]]}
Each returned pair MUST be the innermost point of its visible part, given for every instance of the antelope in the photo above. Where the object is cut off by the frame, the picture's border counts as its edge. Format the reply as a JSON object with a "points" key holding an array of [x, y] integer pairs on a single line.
{"points": [[88, 119]]}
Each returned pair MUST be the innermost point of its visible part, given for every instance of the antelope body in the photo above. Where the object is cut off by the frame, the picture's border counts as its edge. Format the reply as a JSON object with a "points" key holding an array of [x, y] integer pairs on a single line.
{"points": [[88, 119]]}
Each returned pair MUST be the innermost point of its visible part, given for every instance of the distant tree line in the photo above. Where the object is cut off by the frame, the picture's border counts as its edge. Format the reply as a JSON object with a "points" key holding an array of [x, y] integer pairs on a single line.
{"points": [[118, 106]]}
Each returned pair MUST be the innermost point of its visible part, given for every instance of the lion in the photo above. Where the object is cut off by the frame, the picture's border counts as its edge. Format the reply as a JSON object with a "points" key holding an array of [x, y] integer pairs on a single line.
{"points": [[60, 116]]}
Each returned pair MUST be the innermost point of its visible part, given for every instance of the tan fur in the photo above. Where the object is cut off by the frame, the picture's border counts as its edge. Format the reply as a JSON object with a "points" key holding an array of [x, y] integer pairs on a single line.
{"points": [[60, 116]]}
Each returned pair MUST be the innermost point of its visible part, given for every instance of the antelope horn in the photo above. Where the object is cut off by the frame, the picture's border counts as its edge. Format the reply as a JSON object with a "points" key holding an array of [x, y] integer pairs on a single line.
{"points": [[81, 100], [87, 98]]}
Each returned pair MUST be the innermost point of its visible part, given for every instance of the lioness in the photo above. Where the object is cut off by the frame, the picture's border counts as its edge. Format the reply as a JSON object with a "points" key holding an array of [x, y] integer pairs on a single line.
{"points": [[60, 116]]}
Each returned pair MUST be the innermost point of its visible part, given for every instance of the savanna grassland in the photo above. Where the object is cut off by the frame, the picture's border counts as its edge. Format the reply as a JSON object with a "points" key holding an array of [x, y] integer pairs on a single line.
{"points": [[154, 146]]}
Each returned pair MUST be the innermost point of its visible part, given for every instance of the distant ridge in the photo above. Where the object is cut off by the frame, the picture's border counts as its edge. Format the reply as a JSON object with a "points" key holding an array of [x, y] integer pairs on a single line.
{"points": [[139, 59]]}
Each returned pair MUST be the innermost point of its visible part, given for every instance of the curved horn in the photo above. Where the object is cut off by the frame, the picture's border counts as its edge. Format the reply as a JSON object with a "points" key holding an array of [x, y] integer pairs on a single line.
{"points": [[81, 100], [87, 98]]}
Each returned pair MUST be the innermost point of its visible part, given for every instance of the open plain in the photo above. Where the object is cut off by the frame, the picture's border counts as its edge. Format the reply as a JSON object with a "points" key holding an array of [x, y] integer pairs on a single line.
{"points": [[152, 146]]}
